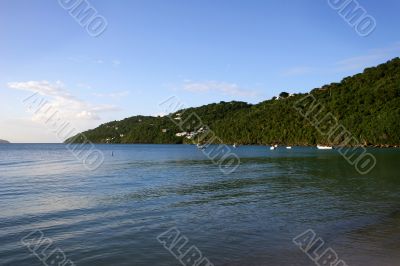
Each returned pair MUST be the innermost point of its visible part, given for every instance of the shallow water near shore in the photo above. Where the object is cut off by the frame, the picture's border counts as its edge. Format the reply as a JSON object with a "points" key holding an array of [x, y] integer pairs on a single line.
{"points": [[113, 215]]}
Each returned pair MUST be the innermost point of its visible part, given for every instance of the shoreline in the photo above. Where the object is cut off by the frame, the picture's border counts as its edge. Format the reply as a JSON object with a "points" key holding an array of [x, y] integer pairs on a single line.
{"points": [[382, 146]]}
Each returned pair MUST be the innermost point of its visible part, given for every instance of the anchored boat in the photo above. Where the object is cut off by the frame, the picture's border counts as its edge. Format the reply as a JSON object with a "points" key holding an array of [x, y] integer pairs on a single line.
{"points": [[320, 147], [273, 147]]}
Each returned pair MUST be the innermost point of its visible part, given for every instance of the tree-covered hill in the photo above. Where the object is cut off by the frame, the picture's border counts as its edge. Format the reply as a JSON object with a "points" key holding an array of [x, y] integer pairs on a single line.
{"points": [[367, 105]]}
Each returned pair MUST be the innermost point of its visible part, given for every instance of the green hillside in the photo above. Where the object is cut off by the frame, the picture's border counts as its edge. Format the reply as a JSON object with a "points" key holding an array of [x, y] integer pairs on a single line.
{"points": [[367, 105]]}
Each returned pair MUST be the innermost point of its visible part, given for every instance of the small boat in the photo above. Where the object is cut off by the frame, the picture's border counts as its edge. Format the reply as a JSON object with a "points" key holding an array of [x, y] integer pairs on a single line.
{"points": [[234, 146], [273, 147], [289, 147], [324, 147]]}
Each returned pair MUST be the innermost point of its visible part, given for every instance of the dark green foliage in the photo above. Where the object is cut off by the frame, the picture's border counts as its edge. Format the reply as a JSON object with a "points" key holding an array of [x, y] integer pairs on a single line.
{"points": [[284, 95], [367, 105]]}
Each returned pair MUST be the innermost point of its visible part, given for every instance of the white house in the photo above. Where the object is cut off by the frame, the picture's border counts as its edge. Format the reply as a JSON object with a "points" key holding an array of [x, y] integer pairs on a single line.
{"points": [[181, 134]]}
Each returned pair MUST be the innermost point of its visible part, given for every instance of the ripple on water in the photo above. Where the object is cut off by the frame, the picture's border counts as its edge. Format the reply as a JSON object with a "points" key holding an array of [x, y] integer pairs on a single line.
{"points": [[114, 214]]}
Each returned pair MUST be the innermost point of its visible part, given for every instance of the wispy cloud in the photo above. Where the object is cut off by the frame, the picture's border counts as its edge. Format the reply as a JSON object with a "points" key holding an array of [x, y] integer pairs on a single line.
{"points": [[69, 107], [356, 63], [116, 63], [298, 71], [219, 87], [117, 94], [95, 61], [84, 86], [373, 57]]}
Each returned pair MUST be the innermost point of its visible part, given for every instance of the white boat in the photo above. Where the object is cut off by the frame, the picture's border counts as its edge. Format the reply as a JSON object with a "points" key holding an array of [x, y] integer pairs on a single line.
{"points": [[324, 147], [234, 146], [273, 147], [288, 147]]}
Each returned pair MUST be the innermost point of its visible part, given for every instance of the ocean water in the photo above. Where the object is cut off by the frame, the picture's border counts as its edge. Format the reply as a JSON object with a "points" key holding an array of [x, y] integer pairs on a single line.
{"points": [[113, 215]]}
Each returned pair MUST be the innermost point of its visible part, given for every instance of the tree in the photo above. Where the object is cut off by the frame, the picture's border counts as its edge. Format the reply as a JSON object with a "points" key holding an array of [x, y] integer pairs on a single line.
{"points": [[284, 95]]}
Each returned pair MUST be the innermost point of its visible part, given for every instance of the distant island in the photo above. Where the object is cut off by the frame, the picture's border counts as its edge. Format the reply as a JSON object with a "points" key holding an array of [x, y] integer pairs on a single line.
{"points": [[4, 141], [366, 104]]}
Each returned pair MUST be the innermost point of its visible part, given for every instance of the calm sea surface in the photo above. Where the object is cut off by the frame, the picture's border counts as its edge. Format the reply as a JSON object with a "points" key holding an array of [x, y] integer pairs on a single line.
{"points": [[113, 215]]}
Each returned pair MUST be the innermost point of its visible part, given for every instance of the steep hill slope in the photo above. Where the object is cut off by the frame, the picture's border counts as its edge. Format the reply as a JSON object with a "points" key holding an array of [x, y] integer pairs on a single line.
{"points": [[367, 105]]}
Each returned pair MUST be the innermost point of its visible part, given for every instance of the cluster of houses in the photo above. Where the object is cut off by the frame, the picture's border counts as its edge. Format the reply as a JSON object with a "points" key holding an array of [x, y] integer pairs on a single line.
{"points": [[112, 139], [109, 139], [178, 116], [191, 135], [185, 134]]}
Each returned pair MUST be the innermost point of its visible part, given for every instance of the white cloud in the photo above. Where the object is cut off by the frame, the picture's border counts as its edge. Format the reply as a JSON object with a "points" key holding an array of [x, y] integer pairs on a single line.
{"points": [[88, 115], [69, 107], [220, 87], [42, 87]]}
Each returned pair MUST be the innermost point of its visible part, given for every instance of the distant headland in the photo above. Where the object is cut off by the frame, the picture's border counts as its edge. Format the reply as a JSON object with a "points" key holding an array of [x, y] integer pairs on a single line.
{"points": [[4, 141]]}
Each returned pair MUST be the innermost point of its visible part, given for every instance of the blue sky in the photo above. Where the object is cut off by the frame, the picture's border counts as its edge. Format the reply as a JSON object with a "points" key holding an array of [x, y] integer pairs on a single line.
{"points": [[200, 51]]}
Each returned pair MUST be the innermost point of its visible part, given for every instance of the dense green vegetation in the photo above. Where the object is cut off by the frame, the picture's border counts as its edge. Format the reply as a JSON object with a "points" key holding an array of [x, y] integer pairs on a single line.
{"points": [[367, 105]]}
